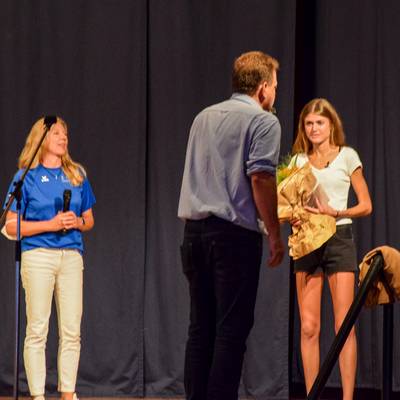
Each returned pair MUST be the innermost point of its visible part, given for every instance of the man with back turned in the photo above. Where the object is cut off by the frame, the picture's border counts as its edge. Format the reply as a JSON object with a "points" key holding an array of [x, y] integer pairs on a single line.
{"points": [[228, 181]]}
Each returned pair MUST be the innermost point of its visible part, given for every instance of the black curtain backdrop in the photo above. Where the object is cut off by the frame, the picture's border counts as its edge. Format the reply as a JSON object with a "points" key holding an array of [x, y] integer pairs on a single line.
{"points": [[129, 77]]}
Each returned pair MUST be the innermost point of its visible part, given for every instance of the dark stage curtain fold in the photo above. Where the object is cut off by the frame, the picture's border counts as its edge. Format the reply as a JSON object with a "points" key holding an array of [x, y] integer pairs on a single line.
{"points": [[129, 77]]}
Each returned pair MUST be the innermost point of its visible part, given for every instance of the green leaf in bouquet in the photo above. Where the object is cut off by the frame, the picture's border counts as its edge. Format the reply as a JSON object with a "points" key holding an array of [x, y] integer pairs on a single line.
{"points": [[283, 170]]}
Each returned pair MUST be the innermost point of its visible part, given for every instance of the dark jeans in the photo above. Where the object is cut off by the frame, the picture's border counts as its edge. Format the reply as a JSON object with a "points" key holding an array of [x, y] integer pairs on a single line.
{"points": [[222, 263]]}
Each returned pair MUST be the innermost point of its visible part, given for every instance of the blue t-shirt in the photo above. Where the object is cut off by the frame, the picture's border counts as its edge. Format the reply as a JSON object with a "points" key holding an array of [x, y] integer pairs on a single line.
{"points": [[42, 199]]}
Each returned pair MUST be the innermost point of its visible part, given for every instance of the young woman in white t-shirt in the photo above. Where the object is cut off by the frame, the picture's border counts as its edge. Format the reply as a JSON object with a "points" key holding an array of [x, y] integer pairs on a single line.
{"points": [[320, 141]]}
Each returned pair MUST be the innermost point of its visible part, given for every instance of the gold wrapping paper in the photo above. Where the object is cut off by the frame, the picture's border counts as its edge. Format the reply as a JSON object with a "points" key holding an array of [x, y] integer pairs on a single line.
{"points": [[294, 193]]}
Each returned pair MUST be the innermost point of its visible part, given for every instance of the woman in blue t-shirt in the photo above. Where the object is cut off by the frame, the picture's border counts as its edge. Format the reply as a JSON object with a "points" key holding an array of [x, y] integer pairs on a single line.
{"points": [[52, 252]]}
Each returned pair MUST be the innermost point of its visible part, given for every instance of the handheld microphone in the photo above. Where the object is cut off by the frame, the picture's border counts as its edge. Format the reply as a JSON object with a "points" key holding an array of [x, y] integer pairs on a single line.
{"points": [[66, 203], [67, 200], [49, 120]]}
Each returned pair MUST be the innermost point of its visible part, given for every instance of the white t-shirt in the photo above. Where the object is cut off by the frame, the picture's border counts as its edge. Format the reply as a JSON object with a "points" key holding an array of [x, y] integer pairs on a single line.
{"points": [[335, 178]]}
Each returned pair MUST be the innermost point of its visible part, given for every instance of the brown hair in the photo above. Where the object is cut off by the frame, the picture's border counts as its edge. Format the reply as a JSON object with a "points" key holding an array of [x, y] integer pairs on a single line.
{"points": [[250, 69], [320, 107], [74, 171]]}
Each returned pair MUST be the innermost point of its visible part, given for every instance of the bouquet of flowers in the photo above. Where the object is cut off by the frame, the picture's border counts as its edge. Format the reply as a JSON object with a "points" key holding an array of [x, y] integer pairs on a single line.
{"points": [[285, 168], [297, 188]]}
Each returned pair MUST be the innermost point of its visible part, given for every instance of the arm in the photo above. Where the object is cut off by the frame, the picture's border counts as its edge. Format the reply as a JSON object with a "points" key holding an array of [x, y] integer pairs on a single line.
{"points": [[67, 220], [30, 228], [364, 205], [264, 193], [84, 223], [361, 209], [87, 221]]}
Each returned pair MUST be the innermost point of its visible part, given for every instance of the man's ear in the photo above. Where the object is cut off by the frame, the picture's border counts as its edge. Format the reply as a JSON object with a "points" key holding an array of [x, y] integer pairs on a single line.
{"points": [[265, 85], [260, 92]]}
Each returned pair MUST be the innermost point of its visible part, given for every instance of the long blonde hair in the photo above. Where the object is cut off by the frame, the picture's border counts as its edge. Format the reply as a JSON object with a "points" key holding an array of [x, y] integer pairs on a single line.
{"points": [[74, 171], [320, 107]]}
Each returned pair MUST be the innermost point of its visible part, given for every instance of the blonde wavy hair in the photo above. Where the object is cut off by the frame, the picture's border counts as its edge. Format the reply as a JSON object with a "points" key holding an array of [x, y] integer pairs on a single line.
{"points": [[74, 171], [320, 107]]}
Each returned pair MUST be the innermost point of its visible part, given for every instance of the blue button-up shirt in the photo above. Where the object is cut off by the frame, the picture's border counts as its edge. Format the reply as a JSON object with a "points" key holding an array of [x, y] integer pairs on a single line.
{"points": [[228, 142]]}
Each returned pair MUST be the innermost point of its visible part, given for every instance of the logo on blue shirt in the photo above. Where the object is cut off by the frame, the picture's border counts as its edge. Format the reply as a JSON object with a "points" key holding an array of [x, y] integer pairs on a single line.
{"points": [[44, 179]]}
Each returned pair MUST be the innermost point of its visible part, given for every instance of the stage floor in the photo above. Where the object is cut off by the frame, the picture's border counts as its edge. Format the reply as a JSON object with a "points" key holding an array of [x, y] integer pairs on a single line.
{"points": [[119, 398], [328, 394]]}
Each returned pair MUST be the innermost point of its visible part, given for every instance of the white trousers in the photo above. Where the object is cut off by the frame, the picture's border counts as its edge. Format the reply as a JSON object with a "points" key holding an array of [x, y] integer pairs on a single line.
{"points": [[46, 272]]}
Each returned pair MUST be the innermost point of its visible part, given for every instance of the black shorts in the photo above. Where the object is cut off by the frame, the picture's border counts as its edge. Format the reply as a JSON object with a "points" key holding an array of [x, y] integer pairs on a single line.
{"points": [[338, 254]]}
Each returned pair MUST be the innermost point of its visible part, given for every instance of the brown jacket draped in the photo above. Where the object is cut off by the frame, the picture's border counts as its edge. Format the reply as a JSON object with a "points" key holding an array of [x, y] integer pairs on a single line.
{"points": [[385, 289]]}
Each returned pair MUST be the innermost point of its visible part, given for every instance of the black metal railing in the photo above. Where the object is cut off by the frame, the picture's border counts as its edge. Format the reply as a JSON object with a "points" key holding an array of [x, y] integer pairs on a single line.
{"points": [[375, 269]]}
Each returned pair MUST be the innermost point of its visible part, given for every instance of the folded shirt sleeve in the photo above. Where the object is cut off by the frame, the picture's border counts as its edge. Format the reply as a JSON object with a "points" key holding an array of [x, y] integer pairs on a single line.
{"points": [[264, 145]]}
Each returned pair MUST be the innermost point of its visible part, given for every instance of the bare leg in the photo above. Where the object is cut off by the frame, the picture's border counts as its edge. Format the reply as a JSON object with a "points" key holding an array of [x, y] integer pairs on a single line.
{"points": [[309, 291], [67, 395], [342, 290]]}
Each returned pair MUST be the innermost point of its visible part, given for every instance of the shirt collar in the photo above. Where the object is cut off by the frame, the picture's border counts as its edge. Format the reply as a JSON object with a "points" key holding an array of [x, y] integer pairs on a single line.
{"points": [[245, 99]]}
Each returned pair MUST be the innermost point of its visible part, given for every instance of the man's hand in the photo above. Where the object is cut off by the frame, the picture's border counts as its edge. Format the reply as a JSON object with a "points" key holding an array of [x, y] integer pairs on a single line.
{"points": [[276, 251], [264, 193]]}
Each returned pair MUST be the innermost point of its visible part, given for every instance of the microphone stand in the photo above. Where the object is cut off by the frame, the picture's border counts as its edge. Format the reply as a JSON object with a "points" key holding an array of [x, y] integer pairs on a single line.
{"points": [[16, 195]]}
